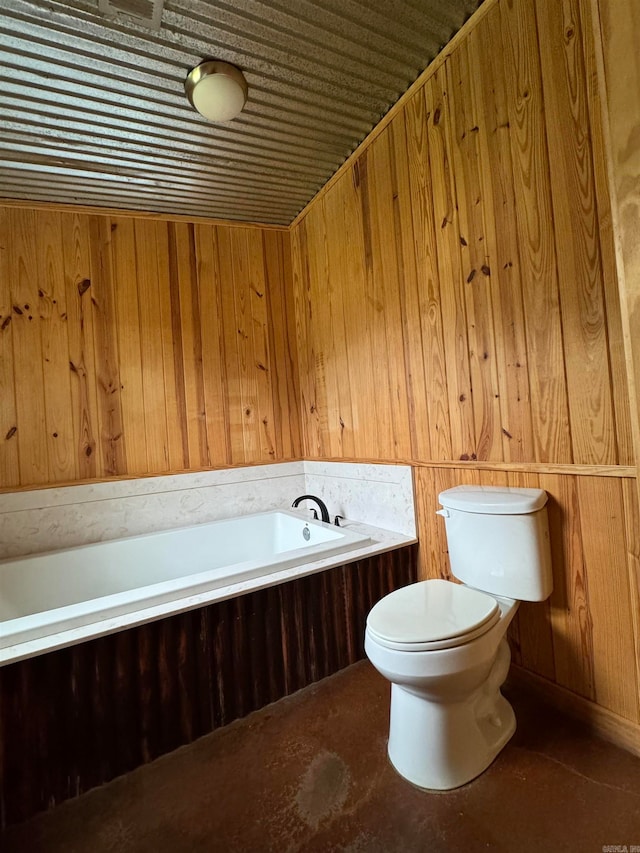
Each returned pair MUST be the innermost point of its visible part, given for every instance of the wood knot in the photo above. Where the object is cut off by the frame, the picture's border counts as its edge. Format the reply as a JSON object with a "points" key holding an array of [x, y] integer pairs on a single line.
{"points": [[83, 286], [11, 433]]}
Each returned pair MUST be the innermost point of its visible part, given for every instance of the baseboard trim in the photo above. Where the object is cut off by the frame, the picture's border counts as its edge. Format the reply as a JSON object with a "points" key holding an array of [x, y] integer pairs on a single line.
{"points": [[601, 721]]}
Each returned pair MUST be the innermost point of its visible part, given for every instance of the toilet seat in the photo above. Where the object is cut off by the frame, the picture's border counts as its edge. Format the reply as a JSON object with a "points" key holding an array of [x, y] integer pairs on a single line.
{"points": [[431, 615]]}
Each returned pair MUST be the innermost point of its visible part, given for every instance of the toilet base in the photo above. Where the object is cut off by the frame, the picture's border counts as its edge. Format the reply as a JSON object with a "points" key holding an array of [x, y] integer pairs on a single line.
{"points": [[441, 745]]}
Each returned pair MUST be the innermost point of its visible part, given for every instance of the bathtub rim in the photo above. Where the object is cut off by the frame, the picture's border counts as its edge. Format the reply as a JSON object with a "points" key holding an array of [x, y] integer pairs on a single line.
{"points": [[167, 591], [379, 542]]}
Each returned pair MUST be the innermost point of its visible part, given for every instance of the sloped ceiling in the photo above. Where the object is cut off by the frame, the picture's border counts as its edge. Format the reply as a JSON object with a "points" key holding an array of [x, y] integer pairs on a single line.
{"points": [[92, 105]]}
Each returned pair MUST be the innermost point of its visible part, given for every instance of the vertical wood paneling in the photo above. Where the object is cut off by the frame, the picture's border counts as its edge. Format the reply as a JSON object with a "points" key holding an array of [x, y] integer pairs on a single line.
{"points": [[631, 508], [497, 337], [474, 211], [105, 342], [190, 343], [213, 366], [617, 28], [539, 275], [84, 391], [571, 619], [261, 362], [300, 270], [171, 335], [494, 139], [340, 342], [362, 352], [610, 602], [423, 336], [153, 387], [372, 308], [9, 465], [248, 386], [576, 229], [316, 358], [136, 346], [27, 348], [596, 96], [452, 306], [125, 267], [387, 302], [52, 309], [282, 344]]}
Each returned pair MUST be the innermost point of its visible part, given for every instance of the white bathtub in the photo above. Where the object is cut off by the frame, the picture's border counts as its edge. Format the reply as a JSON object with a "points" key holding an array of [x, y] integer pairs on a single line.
{"points": [[59, 598]]}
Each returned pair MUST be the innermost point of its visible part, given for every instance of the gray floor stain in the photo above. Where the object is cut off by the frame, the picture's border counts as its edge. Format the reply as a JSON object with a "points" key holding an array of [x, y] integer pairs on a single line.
{"points": [[323, 789]]}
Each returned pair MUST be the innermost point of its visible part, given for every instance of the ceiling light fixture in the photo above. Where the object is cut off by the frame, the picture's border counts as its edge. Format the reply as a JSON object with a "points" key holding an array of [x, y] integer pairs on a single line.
{"points": [[217, 90]]}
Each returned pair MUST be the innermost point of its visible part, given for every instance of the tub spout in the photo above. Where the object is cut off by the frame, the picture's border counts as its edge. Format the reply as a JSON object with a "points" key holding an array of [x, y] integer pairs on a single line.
{"points": [[324, 512]]}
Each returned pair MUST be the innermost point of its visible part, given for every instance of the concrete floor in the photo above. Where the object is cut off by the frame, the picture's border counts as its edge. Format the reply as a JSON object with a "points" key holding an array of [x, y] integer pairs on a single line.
{"points": [[310, 773]]}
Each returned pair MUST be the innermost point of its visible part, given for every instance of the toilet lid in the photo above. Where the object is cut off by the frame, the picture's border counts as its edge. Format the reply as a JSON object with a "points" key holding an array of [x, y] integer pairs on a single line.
{"points": [[431, 612]]}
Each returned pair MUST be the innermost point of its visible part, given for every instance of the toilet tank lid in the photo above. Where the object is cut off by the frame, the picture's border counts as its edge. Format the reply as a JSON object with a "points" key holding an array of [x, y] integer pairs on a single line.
{"points": [[493, 500]]}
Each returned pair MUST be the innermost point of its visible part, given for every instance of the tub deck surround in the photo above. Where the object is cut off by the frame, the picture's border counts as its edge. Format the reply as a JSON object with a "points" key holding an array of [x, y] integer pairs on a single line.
{"points": [[77, 717], [49, 519], [77, 711], [107, 586], [379, 495]]}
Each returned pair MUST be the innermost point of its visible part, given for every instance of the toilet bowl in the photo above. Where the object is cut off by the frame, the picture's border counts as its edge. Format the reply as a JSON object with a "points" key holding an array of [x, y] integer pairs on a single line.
{"points": [[442, 645], [448, 719]]}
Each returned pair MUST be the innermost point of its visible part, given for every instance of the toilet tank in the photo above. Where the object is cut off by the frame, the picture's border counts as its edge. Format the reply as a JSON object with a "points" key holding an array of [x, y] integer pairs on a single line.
{"points": [[498, 540]]}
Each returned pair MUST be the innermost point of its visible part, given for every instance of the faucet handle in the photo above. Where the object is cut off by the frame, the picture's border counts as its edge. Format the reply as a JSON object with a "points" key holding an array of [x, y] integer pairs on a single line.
{"points": [[337, 520]]}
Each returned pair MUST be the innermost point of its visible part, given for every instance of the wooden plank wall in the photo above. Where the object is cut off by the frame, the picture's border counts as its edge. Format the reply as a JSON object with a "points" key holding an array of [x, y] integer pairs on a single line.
{"points": [[617, 31], [456, 288], [457, 307], [132, 346]]}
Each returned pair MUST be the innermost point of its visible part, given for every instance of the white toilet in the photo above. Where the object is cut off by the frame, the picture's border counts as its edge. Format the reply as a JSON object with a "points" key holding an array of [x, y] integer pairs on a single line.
{"points": [[442, 645]]}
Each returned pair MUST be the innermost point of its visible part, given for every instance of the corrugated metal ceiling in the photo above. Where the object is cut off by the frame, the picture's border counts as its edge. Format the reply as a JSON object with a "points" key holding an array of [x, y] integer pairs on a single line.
{"points": [[92, 108]]}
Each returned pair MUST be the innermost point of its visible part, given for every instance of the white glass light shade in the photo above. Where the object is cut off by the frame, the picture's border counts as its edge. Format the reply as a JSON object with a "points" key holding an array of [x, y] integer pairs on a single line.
{"points": [[217, 90]]}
